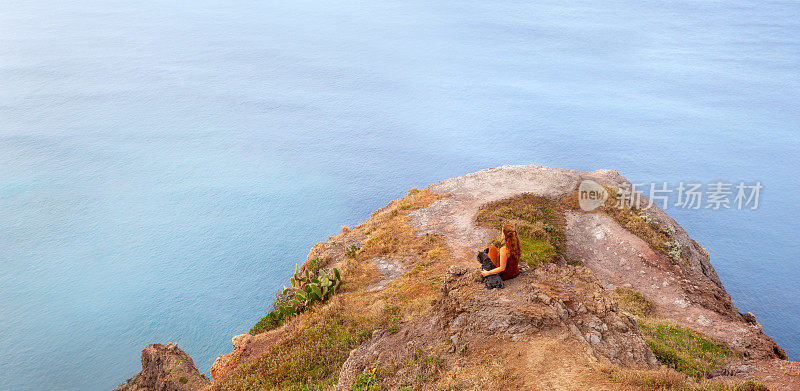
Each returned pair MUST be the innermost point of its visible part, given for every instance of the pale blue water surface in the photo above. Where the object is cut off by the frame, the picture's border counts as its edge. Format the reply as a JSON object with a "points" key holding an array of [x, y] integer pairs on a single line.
{"points": [[164, 164]]}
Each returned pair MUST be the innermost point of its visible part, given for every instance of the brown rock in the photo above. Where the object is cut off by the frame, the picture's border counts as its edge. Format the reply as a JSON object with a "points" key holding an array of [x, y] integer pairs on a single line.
{"points": [[749, 317], [165, 368]]}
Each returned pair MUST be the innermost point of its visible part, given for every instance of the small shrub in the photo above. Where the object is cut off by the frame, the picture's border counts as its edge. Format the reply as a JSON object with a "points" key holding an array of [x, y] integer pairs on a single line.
{"points": [[270, 321], [183, 380], [307, 288], [670, 231], [750, 385], [674, 251], [351, 251], [367, 380]]}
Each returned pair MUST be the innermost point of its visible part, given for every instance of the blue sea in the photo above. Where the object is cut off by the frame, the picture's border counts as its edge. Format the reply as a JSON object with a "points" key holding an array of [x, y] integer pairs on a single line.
{"points": [[165, 164]]}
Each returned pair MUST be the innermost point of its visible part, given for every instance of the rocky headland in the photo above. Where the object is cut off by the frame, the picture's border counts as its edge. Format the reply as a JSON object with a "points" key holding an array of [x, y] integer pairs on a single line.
{"points": [[608, 299]]}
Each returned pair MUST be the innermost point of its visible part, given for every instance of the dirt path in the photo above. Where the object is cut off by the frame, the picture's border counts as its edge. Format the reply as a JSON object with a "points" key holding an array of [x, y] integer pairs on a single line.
{"points": [[454, 216]]}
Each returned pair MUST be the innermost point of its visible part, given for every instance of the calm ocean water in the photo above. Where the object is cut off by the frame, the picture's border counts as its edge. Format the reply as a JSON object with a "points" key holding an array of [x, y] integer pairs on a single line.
{"points": [[164, 165]]}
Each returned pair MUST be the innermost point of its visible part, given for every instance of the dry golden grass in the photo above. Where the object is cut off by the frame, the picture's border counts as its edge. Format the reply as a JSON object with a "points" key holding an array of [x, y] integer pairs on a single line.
{"points": [[388, 230], [633, 301], [313, 345], [666, 379], [389, 234]]}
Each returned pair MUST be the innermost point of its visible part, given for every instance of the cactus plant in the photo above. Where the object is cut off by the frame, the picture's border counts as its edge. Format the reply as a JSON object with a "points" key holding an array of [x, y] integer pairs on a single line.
{"points": [[306, 288]]}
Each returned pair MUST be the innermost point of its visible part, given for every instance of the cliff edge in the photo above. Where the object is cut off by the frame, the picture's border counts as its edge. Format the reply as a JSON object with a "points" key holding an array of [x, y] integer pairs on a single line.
{"points": [[607, 299]]}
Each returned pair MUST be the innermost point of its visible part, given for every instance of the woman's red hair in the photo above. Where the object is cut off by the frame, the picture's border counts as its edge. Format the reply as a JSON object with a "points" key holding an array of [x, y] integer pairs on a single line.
{"points": [[512, 242]]}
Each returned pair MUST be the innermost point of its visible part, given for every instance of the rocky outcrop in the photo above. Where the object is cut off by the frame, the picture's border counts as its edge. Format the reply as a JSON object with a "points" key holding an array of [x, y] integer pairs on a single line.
{"points": [[567, 302], [165, 368], [245, 347], [687, 292], [567, 298], [560, 318], [680, 293]]}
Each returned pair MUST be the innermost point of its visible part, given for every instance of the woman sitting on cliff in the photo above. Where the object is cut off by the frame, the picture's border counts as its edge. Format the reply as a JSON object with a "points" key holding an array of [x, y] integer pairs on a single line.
{"points": [[506, 259]]}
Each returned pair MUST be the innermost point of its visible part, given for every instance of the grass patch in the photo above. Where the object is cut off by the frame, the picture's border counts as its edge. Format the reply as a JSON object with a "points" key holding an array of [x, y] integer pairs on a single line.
{"points": [[535, 251], [670, 380], [539, 222], [309, 357], [633, 302], [688, 351], [420, 367], [684, 349], [272, 320]]}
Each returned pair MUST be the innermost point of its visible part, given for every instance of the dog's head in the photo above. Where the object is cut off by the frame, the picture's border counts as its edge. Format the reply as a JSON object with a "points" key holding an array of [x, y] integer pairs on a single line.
{"points": [[482, 255]]}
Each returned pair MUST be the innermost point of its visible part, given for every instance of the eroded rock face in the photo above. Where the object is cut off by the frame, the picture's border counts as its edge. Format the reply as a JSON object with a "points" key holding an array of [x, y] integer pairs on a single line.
{"points": [[680, 292], [246, 347], [566, 301], [165, 367], [568, 298]]}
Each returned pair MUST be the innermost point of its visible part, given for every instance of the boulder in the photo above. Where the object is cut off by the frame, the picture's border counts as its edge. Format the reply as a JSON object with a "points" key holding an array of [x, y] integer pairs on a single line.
{"points": [[165, 367]]}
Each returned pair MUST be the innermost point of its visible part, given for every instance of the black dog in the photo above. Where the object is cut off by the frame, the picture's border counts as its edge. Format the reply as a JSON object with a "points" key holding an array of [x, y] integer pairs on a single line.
{"points": [[493, 281]]}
